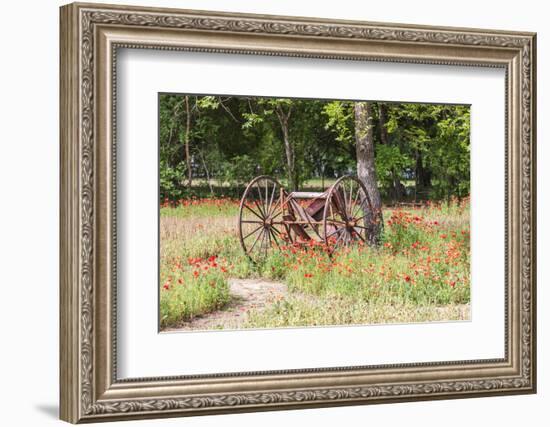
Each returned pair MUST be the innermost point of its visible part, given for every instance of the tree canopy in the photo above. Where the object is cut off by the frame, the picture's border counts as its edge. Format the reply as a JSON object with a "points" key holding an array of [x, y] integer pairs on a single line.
{"points": [[216, 144]]}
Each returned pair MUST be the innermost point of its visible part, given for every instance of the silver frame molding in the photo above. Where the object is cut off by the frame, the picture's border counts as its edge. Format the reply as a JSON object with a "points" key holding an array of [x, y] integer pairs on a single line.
{"points": [[90, 37]]}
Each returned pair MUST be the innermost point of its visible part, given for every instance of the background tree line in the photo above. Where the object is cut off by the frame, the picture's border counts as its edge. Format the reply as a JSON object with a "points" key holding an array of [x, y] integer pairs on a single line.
{"points": [[215, 144]]}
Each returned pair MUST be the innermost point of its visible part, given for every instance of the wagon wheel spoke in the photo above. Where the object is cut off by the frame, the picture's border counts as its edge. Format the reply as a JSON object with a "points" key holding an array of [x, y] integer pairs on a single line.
{"points": [[334, 232], [359, 235], [252, 232], [353, 207], [333, 217], [269, 208], [267, 241], [346, 210], [278, 214], [358, 215], [354, 204], [260, 208], [276, 231], [259, 201], [365, 200], [266, 198], [262, 244], [261, 204], [272, 237], [336, 221], [272, 231], [255, 242], [345, 239], [343, 212], [360, 218], [350, 198], [339, 238], [254, 212], [276, 210]]}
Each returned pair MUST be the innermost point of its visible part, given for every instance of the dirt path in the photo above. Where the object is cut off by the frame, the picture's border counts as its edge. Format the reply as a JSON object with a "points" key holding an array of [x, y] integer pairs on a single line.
{"points": [[247, 294]]}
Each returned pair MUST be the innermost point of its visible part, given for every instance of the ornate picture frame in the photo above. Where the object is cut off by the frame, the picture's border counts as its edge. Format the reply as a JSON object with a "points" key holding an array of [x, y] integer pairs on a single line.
{"points": [[90, 37]]}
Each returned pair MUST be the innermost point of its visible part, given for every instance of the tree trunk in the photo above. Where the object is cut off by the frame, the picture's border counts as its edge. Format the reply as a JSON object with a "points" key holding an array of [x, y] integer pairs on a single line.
{"points": [[366, 172], [289, 158], [207, 172], [186, 143], [398, 189], [289, 148], [423, 175], [382, 119]]}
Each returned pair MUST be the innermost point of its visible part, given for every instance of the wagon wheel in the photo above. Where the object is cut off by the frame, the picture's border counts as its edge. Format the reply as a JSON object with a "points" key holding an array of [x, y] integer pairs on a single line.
{"points": [[261, 226], [347, 211]]}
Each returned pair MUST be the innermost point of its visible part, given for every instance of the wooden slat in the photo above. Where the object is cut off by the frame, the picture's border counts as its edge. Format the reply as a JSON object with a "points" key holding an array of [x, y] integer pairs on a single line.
{"points": [[306, 195]]}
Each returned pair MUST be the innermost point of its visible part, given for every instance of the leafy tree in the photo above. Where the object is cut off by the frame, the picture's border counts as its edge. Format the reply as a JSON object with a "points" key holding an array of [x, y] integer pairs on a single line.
{"points": [[390, 164], [414, 150], [278, 110], [437, 139], [448, 154]]}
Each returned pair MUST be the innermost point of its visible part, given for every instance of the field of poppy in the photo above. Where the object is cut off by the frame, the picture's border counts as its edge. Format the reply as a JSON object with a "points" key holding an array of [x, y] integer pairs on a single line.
{"points": [[421, 272]]}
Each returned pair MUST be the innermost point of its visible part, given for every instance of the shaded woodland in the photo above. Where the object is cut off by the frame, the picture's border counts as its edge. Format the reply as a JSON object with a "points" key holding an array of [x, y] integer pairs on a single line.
{"points": [[213, 145]]}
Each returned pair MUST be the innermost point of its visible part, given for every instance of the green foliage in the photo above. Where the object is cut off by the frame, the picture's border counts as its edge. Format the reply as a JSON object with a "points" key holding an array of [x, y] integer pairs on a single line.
{"points": [[340, 119], [437, 139], [448, 154], [171, 177], [252, 120], [232, 139], [208, 102], [239, 170], [390, 164]]}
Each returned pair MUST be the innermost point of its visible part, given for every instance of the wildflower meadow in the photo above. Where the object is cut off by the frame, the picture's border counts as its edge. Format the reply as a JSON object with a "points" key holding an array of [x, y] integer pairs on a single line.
{"points": [[421, 272]]}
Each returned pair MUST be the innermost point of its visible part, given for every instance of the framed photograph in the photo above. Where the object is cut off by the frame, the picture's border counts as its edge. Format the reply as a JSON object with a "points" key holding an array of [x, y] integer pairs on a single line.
{"points": [[267, 212]]}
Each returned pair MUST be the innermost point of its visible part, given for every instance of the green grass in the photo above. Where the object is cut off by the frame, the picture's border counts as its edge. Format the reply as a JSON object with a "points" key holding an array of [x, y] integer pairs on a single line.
{"points": [[363, 274], [298, 311], [186, 293], [421, 272]]}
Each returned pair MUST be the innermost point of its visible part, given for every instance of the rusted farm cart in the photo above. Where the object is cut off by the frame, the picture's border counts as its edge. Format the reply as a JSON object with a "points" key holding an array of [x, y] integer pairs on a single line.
{"points": [[270, 217]]}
